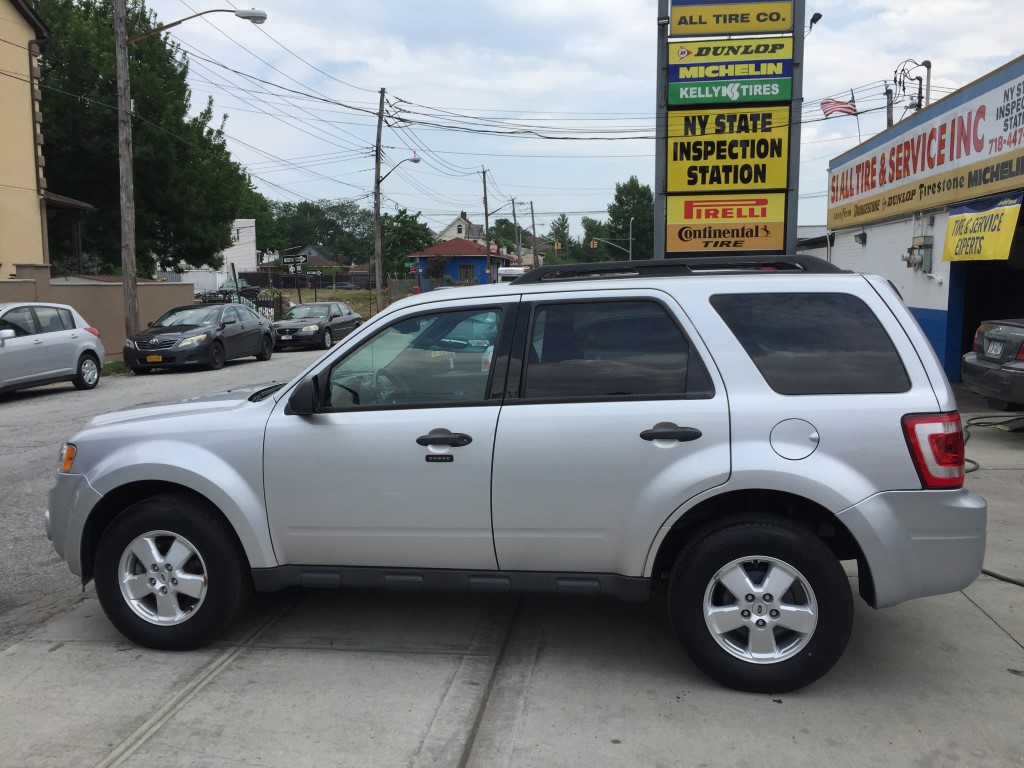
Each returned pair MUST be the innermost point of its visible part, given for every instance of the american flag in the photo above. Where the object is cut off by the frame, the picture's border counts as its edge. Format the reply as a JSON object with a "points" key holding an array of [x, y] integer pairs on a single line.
{"points": [[836, 107]]}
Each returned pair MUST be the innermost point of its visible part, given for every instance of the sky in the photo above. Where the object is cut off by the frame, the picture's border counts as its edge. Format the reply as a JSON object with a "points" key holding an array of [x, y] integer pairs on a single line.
{"points": [[555, 98]]}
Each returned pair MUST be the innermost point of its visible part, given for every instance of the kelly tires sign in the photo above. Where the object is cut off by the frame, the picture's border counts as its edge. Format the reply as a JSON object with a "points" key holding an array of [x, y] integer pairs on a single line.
{"points": [[730, 71]]}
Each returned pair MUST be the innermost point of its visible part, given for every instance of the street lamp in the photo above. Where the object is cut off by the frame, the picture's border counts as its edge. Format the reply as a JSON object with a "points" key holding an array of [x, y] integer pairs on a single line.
{"points": [[378, 256], [124, 146], [630, 238]]}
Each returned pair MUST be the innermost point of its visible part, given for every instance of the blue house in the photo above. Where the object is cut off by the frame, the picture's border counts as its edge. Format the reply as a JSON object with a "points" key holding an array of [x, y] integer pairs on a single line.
{"points": [[456, 262]]}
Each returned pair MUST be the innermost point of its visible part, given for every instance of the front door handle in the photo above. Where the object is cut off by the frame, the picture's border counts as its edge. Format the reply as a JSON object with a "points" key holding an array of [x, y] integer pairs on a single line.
{"points": [[671, 432], [444, 437]]}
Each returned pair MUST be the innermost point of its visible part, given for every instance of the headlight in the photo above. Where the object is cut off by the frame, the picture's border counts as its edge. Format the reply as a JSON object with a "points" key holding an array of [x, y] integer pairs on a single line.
{"points": [[129, 344], [67, 457], [191, 341], [310, 328]]}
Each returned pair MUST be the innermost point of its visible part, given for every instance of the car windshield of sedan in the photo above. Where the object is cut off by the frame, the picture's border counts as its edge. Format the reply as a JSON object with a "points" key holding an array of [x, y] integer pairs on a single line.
{"points": [[196, 316], [303, 311]]}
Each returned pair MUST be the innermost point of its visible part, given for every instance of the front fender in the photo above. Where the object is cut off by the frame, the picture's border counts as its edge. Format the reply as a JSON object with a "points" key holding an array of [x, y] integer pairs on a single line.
{"points": [[235, 487]]}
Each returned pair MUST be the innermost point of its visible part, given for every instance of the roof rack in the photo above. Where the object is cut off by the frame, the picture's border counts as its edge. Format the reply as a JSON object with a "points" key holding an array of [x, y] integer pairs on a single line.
{"points": [[690, 265]]}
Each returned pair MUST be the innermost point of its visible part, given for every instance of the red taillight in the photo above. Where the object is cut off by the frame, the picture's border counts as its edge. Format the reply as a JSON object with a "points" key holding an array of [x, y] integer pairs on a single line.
{"points": [[977, 340], [95, 332], [1020, 353], [936, 443]]}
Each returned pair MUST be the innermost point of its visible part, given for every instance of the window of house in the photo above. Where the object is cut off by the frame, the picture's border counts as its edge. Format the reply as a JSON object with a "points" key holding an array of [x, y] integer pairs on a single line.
{"points": [[466, 273], [459, 229]]}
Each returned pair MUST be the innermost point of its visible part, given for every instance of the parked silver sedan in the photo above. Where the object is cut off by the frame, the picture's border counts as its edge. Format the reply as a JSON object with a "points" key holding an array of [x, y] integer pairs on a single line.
{"points": [[42, 343]]}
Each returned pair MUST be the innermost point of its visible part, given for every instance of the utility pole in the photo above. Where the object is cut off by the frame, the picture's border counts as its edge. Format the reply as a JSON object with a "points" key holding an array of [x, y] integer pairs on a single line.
{"points": [[378, 260], [533, 226], [888, 106], [515, 225], [125, 172], [487, 223]]}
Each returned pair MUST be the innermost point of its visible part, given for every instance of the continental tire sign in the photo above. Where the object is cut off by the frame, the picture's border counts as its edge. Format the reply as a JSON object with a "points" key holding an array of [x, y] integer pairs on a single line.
{"points": [[728, 149], [717, 223]]}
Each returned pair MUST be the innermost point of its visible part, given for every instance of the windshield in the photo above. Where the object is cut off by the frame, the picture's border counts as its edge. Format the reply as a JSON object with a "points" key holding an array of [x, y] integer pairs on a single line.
{"points": [[189, 316], [306, 310]]}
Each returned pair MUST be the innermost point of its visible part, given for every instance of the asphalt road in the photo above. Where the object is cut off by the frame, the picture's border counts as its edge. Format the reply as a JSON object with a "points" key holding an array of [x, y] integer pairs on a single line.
{"points": [[34, 582]]}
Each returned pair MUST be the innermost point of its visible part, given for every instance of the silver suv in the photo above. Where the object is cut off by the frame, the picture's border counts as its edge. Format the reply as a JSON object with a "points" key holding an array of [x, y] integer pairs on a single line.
{"points": [[727, 430]]}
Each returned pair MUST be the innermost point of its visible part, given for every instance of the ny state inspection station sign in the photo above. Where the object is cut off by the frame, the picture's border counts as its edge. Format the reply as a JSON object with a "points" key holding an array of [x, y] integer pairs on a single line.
{"points": [[734, 71]]}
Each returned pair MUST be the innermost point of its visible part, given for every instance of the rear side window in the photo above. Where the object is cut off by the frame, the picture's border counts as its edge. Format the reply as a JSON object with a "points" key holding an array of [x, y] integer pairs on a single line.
{"points": [[611, 349], [814, 343]]}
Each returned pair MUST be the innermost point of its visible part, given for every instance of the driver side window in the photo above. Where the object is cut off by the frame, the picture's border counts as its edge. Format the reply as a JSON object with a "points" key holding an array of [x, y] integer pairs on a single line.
{"points": [[432, 359]]}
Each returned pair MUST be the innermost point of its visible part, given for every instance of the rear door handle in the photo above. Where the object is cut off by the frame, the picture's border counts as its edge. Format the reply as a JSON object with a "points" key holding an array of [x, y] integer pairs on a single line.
{"points": [[672, 432], [444, 437]]}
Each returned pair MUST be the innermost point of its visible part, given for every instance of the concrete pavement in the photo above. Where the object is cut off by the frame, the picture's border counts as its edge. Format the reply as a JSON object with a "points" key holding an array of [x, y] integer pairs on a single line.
{"points": [[359, 678]]}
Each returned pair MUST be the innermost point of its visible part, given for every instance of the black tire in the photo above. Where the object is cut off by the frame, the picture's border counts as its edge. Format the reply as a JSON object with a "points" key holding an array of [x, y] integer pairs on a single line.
{"points": [[745, 549], [1002, 405], [215, 564], [328, 339], [216, 361], [87, 374], [266, 348]]}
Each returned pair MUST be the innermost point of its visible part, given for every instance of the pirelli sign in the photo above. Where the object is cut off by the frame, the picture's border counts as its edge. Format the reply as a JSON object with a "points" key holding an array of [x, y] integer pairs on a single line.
{"points": [[716, 223]]}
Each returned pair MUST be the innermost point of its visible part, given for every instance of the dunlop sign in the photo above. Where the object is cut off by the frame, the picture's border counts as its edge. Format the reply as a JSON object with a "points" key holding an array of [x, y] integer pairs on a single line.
{"points": [[982, 230], [690, 18], [716, 223], [728, 150], [730, 71]]}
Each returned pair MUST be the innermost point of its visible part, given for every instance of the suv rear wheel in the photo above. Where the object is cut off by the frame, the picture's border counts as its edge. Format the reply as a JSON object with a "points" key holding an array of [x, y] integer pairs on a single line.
{"points": [[760, 604], [170, 574]]}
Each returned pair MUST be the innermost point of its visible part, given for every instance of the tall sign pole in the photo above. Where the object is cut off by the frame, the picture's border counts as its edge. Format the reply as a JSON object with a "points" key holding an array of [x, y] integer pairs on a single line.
{"points": [[795, 118], [378, 258], [661, 131]]}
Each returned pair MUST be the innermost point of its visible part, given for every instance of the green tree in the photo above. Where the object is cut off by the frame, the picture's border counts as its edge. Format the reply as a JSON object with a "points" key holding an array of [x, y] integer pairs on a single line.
{"points": [[339, 225], [187, 188], [558, 232], [402, 234], [633, 200], [503, 232], [269, 236]]}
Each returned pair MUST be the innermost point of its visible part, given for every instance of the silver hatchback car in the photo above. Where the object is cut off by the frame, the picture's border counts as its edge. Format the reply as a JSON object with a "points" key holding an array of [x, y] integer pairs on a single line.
{"points": [[43, 343], [728, 430]]}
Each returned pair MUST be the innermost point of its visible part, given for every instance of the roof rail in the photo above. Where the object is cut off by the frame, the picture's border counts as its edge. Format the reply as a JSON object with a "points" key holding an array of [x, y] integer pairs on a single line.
{"points": [[690, 265]]}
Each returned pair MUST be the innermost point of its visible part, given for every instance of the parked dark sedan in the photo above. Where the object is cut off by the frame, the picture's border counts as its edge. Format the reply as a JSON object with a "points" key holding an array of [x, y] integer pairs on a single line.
{"points": [[200, 335], [995, 369], [316, 325]]}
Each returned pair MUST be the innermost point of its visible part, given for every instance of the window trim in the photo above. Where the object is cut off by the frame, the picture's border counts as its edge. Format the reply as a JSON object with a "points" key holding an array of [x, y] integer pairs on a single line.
{"points": [[524, 333], [493, 390]]}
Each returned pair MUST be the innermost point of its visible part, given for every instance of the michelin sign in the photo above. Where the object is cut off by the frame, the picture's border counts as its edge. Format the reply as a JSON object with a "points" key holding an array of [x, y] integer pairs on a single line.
{"points": [[730, 71]]}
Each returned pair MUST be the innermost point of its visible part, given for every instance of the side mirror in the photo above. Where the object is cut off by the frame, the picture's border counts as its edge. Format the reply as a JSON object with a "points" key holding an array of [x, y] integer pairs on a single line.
{"points": [[149, 324], [305, 399], [229, 321], [6, 333]]}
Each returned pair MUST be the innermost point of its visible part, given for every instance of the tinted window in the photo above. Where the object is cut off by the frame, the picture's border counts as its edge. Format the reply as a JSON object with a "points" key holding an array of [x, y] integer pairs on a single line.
{"points": [[20, 321], [49, 320], [66, 318], [608, 349], [431, 359], [814, 343]]}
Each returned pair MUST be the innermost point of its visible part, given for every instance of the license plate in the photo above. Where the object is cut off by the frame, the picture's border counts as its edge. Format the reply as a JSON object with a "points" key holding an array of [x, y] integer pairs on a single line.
{"points": [[284, 337], [994, 348], [154, 358]]}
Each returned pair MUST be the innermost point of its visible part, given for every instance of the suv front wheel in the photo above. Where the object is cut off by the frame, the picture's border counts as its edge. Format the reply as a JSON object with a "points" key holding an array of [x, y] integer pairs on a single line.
{"points": [[170, 574], [760, 604]]}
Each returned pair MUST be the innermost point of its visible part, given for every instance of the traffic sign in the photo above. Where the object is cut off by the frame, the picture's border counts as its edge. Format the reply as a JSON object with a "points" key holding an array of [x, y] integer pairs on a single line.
{"points": [[298, 258], [314, 272], [293, 269]]}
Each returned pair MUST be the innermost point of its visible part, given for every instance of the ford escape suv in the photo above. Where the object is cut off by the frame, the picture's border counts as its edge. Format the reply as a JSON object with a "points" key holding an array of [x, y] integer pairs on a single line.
{"points": [[730, 430]]}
